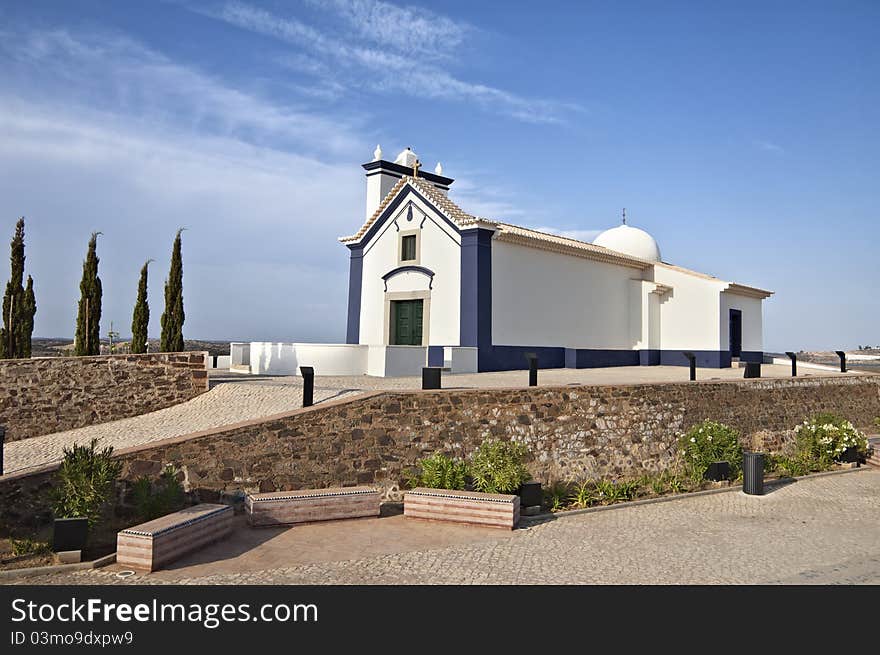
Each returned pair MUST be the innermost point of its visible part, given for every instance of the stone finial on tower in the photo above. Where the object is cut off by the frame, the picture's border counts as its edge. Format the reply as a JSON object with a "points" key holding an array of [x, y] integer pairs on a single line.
{"points": [[377, 153], [438, 168]]}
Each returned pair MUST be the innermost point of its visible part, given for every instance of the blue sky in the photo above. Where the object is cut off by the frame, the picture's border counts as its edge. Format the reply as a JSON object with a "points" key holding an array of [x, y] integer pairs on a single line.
{"points": [[743, 136]]}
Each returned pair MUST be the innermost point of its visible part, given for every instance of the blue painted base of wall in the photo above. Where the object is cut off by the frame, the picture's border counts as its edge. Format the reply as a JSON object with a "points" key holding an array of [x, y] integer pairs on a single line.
{"points": [[705, 358], [591, 358], [513, 358], [435, 356]]}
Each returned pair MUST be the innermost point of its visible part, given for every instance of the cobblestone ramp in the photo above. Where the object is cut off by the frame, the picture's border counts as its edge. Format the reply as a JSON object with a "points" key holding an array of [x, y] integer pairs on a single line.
{"points": [[225, 404]]}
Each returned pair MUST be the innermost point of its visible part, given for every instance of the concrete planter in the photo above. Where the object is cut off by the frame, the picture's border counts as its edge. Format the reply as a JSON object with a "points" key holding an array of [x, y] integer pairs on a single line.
{"points": [[471, 507]]}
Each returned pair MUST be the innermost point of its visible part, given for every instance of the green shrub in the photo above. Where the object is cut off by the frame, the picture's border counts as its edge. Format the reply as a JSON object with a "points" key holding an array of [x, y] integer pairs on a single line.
{"points": [[612, 491], [85, 482], [558, 496], [153, 500], [440, 472], [497, 467], [709, 442], [824, 437], [585, 494], [26, 546]]}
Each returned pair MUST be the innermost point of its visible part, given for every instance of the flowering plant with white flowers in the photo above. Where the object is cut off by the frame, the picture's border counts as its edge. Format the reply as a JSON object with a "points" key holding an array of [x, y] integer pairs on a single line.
{"points": [[827, 437], [709, 442]]}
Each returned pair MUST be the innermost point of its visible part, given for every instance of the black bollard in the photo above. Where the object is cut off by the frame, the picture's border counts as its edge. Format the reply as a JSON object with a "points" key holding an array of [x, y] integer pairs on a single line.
{"points": [[533, 369], [793, 359], [2, 442], [753, 370], [431, 377], [753, 474], [308, 373], [842, 356], [692, 358]]}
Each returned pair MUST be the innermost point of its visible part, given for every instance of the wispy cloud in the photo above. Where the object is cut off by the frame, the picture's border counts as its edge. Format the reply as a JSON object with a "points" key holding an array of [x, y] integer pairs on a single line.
{"points": [[400, 32], [119, 74], [412, 30], [768, 146], [580, 235]]}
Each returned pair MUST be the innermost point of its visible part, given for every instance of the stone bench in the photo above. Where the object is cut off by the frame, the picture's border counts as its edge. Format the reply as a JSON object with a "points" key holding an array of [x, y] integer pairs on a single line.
{"points": [[155, 543], [305, 506], [493, 510]]}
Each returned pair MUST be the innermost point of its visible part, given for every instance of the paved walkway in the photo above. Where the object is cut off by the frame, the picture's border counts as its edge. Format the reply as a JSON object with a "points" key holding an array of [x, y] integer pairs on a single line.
{"points": [[822, 530], [551, 377], [225, 404], [240, 397]]}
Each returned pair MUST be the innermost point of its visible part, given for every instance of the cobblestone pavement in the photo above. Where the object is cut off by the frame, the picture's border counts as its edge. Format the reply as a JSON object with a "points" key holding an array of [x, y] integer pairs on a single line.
{"points": [[820, 530], [223, 405]]}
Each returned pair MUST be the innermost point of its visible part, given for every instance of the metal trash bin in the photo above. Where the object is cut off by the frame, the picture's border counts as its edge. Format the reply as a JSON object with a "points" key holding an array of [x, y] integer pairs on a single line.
{"points": [[753, 474]]}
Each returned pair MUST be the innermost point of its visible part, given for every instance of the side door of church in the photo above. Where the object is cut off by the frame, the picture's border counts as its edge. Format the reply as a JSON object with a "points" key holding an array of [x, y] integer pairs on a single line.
{"points": [[406, 323]]}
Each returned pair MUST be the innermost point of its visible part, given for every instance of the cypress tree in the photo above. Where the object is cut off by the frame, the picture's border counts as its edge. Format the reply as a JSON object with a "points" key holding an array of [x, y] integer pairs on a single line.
{"points": [[19, 306], [172, 318], [141, 317], [27, 322], [88, 340]]}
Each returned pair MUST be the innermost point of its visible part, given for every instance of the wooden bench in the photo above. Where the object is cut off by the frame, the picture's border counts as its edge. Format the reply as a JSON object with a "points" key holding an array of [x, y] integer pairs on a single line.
{"points": [[287, 507], [152, 544], [494, 510]]}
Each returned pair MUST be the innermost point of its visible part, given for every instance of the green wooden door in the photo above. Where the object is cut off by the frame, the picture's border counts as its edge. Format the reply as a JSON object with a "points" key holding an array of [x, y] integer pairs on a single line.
{"points": [[406, 321]]}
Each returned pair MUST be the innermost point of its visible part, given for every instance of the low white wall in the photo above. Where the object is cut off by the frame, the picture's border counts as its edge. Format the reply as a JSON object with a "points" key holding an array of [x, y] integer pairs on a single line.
{"points": [[332, 358], [239, 355], [223, 361], [396, 361], [460, 359], [327, 358]]}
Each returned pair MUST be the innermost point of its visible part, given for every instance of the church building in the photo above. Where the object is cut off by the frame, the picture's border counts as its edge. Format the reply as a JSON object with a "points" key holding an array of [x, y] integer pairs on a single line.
{"points": [[477, 294]]}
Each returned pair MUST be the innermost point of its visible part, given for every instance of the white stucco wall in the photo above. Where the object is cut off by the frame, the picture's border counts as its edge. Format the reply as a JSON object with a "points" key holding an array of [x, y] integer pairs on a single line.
{"points": [[752, 320], [396, 361], [439, 251], [690, 313], [327, 359], [542, 298], [460, 359]]}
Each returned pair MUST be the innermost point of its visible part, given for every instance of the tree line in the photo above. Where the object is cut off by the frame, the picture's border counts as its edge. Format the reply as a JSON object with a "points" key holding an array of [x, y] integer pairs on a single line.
{"points": [[19, 305]]}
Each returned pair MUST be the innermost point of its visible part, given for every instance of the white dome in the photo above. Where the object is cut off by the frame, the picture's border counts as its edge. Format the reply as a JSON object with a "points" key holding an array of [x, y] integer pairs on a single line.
{"points": [[406, 158], [630, 241]]}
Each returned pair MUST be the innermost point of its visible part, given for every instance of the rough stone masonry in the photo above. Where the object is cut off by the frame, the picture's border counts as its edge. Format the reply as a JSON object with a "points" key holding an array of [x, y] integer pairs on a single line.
{"points": [[572, 433], [51, 394]]}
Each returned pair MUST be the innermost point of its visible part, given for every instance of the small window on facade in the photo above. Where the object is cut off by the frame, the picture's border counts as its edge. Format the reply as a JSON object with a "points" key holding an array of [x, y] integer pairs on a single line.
{"points": [[408, 248]]}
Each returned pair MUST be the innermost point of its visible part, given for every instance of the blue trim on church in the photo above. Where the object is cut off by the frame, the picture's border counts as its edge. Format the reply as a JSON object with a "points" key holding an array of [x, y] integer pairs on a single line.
{"points": [[475, 310], [705, 358], [409, 269], [355, 278], [599, 358], [435, 356], [392, 207]]}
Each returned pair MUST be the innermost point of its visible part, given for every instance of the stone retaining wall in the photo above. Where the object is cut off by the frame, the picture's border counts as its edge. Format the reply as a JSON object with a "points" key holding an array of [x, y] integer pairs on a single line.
{"points": [[572, 432], [51, 394]]}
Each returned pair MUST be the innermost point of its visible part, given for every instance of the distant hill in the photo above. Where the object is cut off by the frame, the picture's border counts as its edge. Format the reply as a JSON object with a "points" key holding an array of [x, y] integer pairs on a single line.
{"points": [[44, 347]]}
